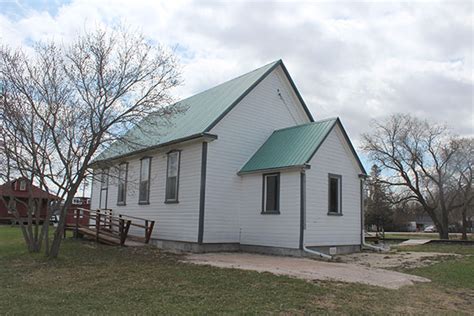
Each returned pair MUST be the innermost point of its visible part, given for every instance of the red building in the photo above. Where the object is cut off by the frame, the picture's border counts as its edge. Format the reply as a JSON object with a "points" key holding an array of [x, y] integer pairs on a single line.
{"points": [[22, 189], [78, 203]]}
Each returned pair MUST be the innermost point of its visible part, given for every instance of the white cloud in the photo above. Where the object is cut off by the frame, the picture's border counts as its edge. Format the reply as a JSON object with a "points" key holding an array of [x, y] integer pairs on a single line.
{"points": [[354, 60]]}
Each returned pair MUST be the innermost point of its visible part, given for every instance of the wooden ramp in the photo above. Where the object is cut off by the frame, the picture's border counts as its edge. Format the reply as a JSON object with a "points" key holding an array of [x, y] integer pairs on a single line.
{"points": [[106, 228], [415, 242]]}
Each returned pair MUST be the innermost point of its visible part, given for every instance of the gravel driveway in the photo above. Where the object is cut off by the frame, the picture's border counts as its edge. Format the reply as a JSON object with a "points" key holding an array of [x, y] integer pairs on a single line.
{"points": [[307, 269]]}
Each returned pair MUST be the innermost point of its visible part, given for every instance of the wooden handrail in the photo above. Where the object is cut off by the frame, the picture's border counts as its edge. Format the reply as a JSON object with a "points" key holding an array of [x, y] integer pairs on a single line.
{"points": [[104, 222], [149, 225], [133, 217]]}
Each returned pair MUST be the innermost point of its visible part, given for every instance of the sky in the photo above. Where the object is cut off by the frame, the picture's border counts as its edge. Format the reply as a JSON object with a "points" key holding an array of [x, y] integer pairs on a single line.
{"points": [[355, 60]]}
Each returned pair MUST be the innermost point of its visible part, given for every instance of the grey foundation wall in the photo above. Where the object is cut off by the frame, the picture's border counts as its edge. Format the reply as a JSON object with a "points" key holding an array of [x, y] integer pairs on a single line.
{"points": [[180, 246]]}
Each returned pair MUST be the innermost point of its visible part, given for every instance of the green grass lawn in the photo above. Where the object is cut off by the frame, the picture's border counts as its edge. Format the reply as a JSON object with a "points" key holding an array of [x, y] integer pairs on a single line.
{"points": [[422, 235], [440, 247], [453, 273], [96, 279]]}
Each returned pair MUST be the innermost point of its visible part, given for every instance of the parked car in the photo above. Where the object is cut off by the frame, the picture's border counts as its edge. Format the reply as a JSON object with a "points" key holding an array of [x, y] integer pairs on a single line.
{"points": [[430, 229], [54, 220]]}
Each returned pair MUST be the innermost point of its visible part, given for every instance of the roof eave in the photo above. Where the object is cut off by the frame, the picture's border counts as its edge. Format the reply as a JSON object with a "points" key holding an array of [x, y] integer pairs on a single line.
{"points": [[359, 162], [208, 137], [265, 170], [298, 95]]}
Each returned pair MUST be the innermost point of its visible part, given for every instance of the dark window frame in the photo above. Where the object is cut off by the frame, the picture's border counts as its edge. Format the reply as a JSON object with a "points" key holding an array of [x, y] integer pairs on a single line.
{"points": [[124, 201], [264, 194], [168, 154], [339, 197], [147, 201]]}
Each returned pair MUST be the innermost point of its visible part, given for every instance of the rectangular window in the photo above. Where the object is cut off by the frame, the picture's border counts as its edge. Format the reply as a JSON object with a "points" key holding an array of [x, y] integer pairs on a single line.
{"points": [[122, 184], [22, 185], [104, 185], [334, 195], [172, 177], [104, 179], [144, 188], [271, 193]]}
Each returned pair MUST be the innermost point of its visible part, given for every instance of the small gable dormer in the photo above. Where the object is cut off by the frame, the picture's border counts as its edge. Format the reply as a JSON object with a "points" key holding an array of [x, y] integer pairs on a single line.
{"points": [[21, 184]]}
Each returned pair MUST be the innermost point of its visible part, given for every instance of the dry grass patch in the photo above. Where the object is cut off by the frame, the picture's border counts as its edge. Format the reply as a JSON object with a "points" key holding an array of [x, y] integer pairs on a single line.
{"points": [[96, 279]]}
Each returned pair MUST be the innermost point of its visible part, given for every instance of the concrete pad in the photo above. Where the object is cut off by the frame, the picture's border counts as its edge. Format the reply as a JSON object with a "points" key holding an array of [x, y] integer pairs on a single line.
{"points": [[415, 242], [307, 269]]}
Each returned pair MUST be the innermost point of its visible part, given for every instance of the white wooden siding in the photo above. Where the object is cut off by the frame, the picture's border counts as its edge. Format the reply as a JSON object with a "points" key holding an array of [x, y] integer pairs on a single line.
{"points": [[172, 221], [95, 190], [282, 230], [325, 230], [240, 133], [233, 203]]}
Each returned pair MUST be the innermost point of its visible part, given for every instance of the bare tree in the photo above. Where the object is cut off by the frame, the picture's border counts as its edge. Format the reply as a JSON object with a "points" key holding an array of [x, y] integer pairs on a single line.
{"points": [[77, 99], [417, 157], [464, 171], [21, 150]]}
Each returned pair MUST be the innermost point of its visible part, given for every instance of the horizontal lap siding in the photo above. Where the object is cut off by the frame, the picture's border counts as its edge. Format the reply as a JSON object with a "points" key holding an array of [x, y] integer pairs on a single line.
{"points": [[323, 229], [280, 230], [172, 221], [95, 186], [240, 133]]}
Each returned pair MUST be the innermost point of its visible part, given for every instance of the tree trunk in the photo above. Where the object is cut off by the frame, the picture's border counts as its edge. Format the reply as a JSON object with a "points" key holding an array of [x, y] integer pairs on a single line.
{"points": [[443, 230], [58, 234], [464, 223], [444, 233], [438, 223]]}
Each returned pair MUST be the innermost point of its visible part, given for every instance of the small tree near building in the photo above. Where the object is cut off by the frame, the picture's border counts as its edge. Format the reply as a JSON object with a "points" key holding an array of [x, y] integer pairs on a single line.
{"points": [[63, 103], [379, 212]]}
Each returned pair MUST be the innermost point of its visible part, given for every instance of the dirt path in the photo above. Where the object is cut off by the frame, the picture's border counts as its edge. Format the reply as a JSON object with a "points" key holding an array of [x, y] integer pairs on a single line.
{"points": [[405, 260], [307, 269]]}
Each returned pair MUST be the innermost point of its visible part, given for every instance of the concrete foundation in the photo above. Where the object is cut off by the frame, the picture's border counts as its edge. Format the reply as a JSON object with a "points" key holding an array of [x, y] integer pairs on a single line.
{"points": [[194, 247], [336, 250], [279, 251]]}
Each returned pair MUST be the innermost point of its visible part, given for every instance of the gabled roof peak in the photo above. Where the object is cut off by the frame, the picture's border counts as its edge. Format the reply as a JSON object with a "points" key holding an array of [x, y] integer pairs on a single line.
{"points": [[203, 111], [294, 146]]}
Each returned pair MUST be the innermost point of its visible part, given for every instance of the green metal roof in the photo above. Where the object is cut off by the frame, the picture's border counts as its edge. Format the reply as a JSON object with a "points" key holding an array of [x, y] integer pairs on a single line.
{"points": [[290, 147], [202, 112]]}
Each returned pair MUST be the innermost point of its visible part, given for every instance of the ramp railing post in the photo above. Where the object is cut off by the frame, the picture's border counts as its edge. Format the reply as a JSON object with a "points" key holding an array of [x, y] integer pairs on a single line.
{"points": [[149, 230], [121, 229], [76, 229], [146, 229], [123, 235], [97, 226]]}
